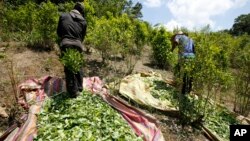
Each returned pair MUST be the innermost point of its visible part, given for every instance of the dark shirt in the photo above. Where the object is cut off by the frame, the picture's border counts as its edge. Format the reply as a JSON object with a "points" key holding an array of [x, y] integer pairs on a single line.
{"points": [[71, 29]]}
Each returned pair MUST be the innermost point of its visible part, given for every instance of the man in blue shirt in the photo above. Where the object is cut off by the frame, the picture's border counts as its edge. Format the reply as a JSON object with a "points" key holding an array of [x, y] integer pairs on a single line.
{"points": [[186, 53]]}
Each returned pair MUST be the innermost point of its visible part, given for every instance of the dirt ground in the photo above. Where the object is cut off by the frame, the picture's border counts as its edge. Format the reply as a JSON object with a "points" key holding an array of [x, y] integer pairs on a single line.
{"points": [[31, 63]]}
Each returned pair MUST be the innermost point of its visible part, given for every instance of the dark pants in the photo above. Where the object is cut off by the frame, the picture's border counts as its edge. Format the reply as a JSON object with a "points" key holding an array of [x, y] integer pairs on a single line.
{"points": [[187, 84], [73, 80], [182, 73]]}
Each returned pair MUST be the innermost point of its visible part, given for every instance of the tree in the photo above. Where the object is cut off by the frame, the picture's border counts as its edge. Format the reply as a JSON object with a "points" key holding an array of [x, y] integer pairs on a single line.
{"points": [[103, 6], [16, 3], [136, 11], [133, 11], [116, 7], [241, 25], [160, 42], [112, 36]]}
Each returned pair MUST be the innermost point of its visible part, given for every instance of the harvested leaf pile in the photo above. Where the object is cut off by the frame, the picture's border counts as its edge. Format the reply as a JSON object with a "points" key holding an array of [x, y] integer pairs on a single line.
{"points": [[219, 120], [162, 91], [87, 117]]}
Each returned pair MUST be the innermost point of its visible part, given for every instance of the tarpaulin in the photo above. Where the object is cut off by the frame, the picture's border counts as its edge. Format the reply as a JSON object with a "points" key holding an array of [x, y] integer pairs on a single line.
{"points": [[142, 124], [32, 94], [134, 87]]}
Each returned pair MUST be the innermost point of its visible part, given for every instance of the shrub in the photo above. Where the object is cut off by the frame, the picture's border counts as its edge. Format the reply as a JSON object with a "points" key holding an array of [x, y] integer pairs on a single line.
{"points": [[44, 32], [242, 77], [19, 22], [141, 35], [112, 36], [160, 41], [209, 70]]}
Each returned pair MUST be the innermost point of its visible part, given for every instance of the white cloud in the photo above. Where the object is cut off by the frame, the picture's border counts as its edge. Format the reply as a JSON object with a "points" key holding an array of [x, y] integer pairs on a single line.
{"points": [[172, 24], [198, 13], [152, 3], [239, 3]]}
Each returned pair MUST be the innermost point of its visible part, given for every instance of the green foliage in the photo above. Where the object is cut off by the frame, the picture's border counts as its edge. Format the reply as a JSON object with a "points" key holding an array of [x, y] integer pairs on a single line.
{"points": [[36, 25], [141, 34], [209, 70], [101, 37], [65, 7], [86, 118], [136, 10], [103, 7], [116, 8], [72, 59], [189, 107], [216, 118], [241, 25], [57, 1], [14, 24], [219, 120], [160, 42], [38, 22], [47, 18], [242, 76], [212, 62], [2, 55], [211, 73], [15, 3], [113, 36], [133, 11], [89, 15], [163, 92]]}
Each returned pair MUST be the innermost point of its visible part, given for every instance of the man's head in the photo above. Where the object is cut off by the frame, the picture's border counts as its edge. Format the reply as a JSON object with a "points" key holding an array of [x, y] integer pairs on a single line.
{"points": [[175, 39], [79, 7]]}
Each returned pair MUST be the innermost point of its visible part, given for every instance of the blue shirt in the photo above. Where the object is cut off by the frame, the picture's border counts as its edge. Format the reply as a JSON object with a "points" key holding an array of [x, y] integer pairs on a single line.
{"points": [[186, 45]]}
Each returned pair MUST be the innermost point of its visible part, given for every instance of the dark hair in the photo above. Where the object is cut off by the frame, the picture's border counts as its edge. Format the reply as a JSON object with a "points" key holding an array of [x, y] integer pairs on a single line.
{"points": [[79, 7]]}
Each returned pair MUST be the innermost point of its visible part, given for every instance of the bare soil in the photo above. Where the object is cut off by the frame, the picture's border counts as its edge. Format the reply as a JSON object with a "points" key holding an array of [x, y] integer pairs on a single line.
{"points": [[32, 63], [26, 64]]}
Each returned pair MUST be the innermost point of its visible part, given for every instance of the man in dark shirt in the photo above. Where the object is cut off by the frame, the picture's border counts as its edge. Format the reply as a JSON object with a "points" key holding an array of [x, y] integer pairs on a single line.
{"points": [[72, 30]]}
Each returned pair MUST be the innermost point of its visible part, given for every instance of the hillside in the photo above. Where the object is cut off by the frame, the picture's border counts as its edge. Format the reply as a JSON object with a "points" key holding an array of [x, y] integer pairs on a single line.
{"points": [[28, 63]]}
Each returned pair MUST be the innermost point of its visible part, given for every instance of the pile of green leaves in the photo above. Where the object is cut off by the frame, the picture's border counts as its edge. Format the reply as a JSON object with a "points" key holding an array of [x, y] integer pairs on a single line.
{"points": [[86, 118], [219, 120], [161, 90], [72, 59]]}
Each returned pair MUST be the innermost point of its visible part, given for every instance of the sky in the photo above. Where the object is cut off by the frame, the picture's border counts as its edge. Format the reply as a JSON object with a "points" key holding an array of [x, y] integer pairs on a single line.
{"points": [[194, 14]]}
